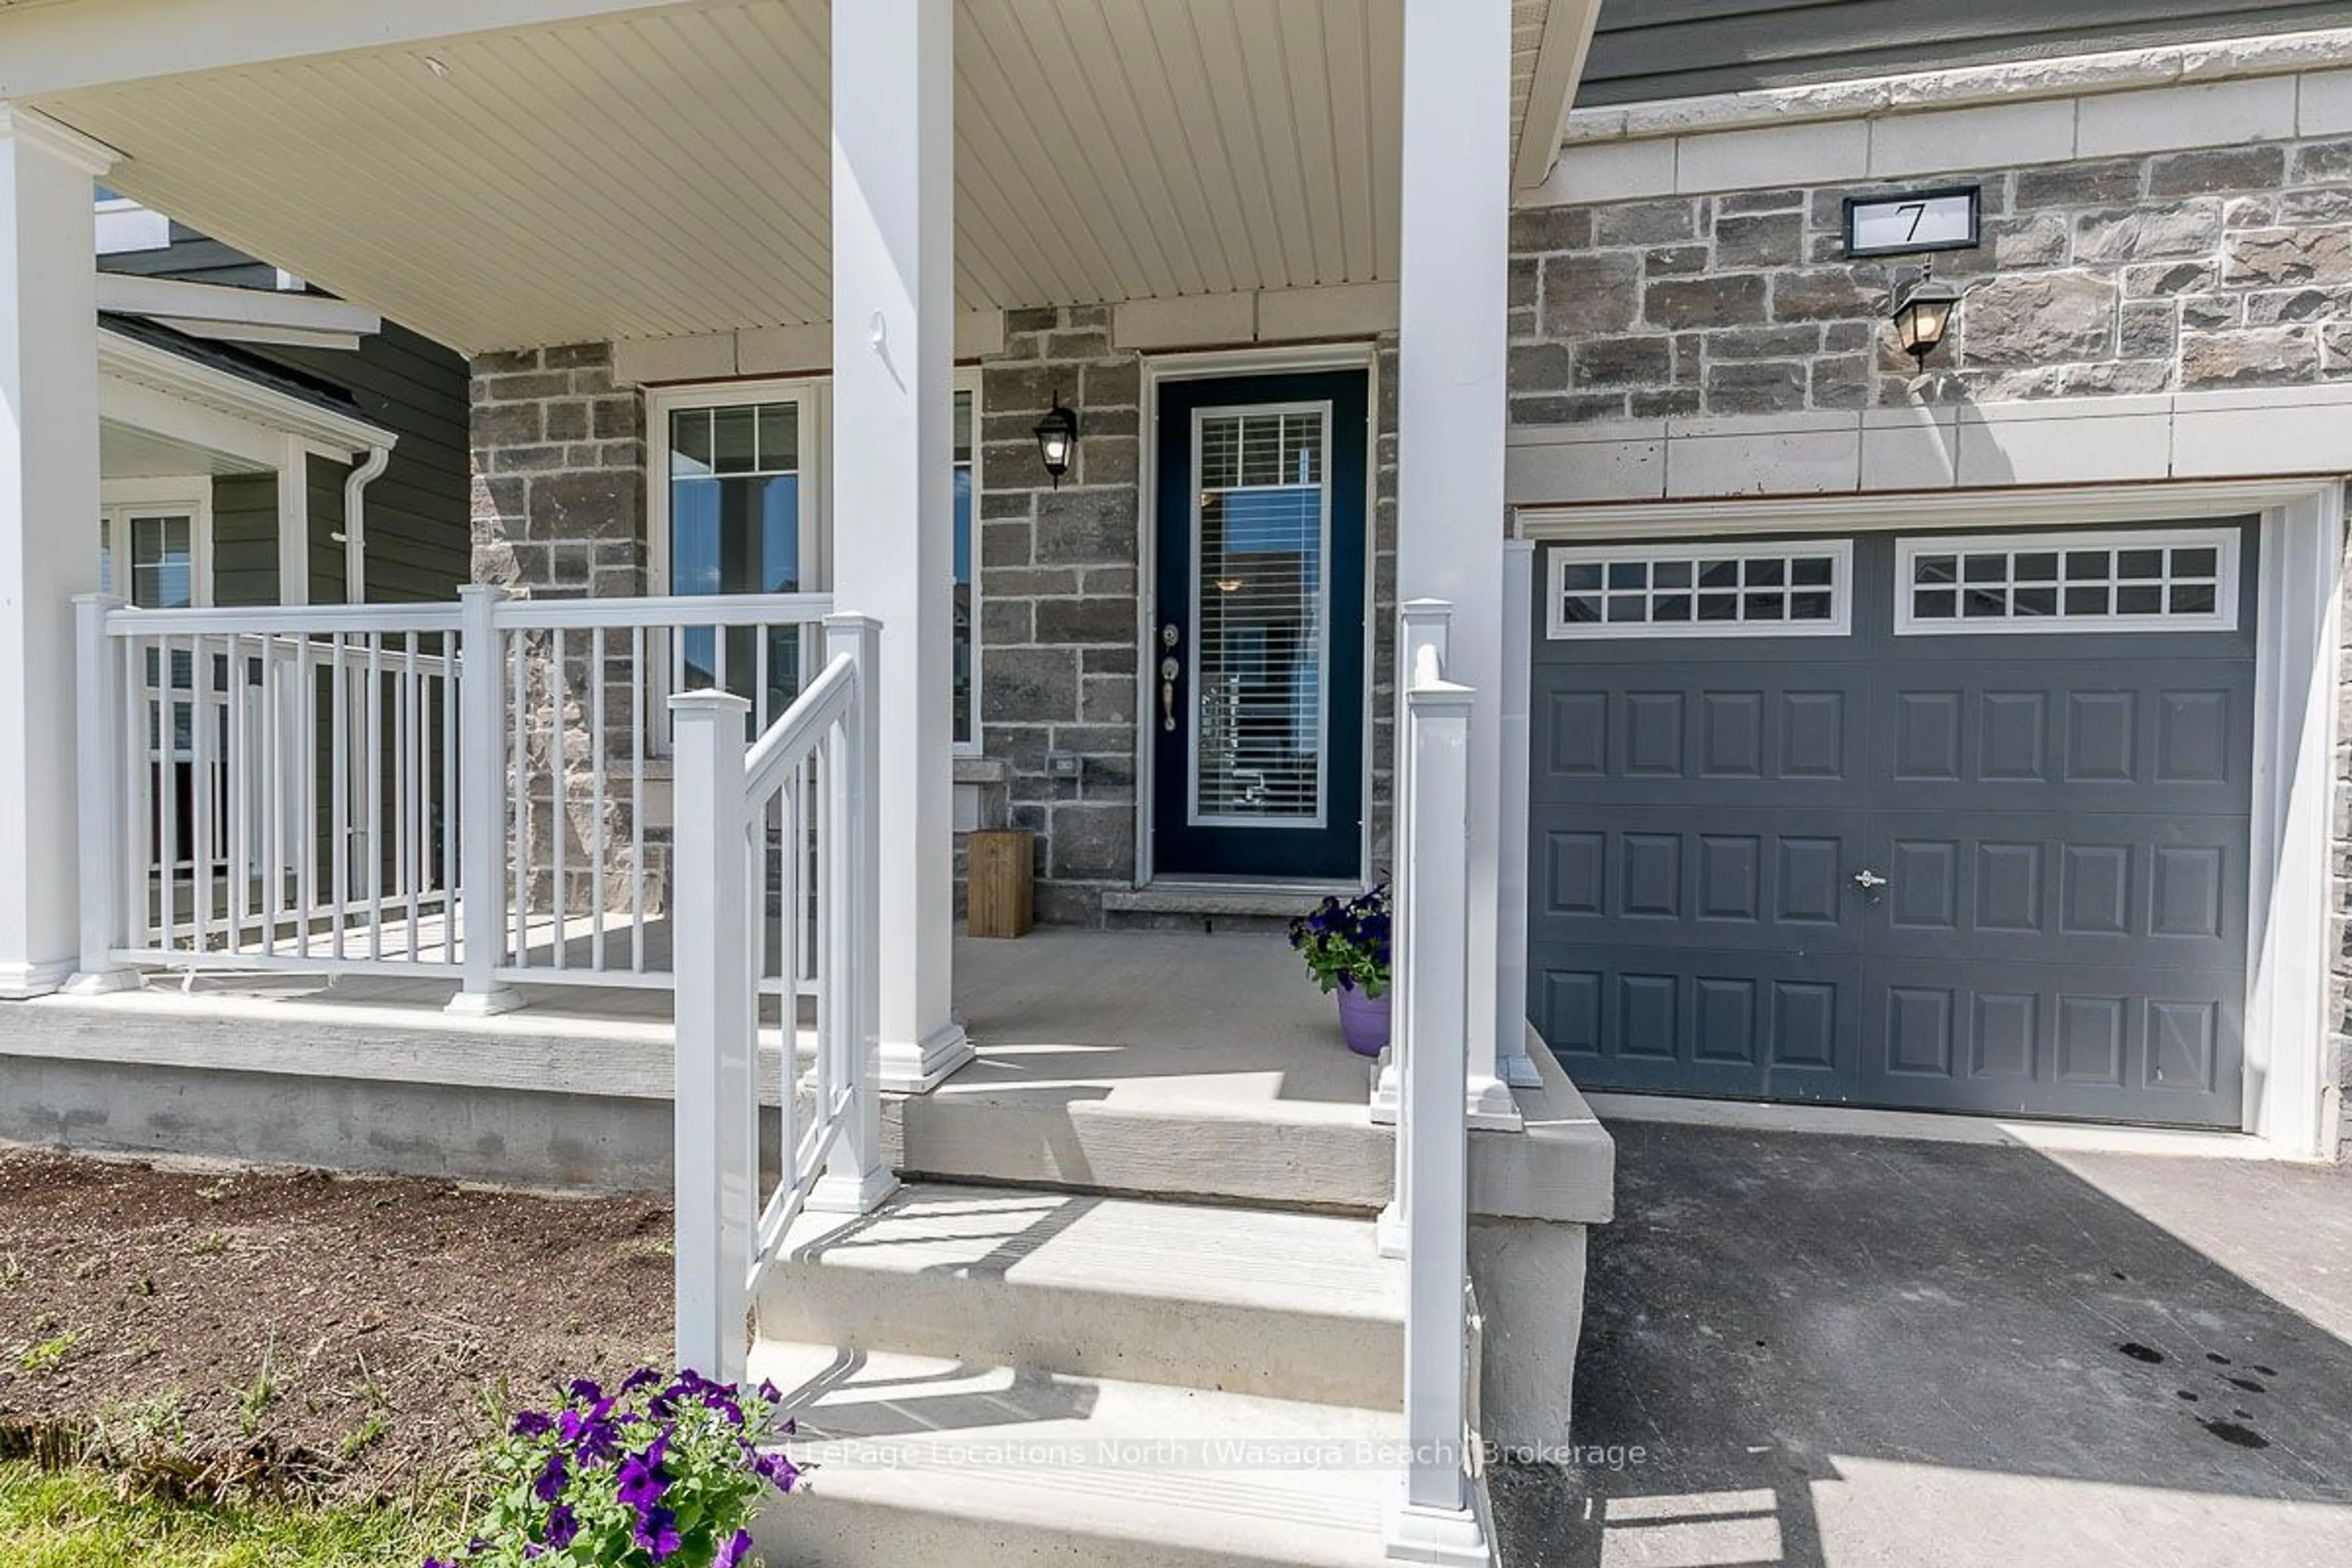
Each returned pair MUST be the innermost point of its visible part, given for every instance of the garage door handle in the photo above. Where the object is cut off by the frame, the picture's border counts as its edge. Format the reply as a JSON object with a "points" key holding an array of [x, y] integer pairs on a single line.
{"points": [[1869, 881]]}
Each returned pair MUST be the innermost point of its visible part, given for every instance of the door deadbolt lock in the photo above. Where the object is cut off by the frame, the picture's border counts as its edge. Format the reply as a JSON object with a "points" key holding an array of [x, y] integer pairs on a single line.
{"points": [[1168, 635]]}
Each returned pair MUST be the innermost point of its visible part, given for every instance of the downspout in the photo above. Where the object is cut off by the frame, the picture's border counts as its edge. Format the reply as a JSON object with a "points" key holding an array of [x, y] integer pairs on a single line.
{"points": [[355, 522]]}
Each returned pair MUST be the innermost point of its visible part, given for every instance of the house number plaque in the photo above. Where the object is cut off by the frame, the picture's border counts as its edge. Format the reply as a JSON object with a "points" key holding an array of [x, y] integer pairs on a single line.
{"points": [[1903, 223]]}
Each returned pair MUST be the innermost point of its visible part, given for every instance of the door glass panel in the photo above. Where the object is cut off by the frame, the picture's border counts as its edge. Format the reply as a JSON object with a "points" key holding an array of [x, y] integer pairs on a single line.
{"points": [[735, 528], [1259, 646]]}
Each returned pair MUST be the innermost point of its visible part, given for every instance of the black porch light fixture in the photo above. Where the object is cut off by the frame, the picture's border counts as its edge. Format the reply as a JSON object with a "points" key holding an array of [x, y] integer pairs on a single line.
{"points": [[1922, 312], [1057, 439]]}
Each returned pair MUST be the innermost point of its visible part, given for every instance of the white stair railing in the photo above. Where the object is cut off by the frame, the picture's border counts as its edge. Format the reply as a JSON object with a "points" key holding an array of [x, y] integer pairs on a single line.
{"points": [[742, 816], [1433, 1520]]}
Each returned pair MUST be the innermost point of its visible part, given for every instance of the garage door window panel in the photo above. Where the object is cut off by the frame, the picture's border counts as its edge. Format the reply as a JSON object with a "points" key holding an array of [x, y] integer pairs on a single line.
{"points": [[2133, 580], [1796, 588]]}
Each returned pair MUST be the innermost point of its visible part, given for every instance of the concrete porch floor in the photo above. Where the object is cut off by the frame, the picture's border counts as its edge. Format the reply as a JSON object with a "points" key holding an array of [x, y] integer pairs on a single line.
{"points": [[1130, 1023], [1838, 1350]]}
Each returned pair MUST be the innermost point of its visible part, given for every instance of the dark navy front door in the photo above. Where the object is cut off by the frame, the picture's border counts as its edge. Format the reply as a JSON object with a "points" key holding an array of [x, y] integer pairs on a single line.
{"points": [[1255, 679]]}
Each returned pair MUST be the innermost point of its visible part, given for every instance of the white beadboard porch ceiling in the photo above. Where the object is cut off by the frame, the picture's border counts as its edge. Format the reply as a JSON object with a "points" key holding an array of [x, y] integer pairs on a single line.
{"points": [[664, 171]]}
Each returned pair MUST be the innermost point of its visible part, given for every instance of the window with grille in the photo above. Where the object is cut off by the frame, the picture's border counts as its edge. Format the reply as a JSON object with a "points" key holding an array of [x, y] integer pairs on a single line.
{"points": [[2139, 580], [1260, 580], [1782, 588]]}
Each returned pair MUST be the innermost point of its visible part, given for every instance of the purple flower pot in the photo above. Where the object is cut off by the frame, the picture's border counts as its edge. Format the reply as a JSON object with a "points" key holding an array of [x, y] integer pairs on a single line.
{"points": [[1364, 1021]]}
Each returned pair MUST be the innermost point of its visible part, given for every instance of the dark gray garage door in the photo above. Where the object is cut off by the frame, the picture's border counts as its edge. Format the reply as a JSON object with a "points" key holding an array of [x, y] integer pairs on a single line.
{"points": [[1899, 820]]}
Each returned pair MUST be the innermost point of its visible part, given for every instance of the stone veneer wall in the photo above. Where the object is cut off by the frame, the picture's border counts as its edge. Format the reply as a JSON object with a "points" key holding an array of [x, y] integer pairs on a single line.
{"points": [[559, 502], [2225, 267], [558, 509]]}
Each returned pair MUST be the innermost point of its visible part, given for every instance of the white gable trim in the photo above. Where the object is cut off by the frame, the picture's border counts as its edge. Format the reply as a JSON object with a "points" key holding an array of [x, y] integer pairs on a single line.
{"points": [[153, 389]]}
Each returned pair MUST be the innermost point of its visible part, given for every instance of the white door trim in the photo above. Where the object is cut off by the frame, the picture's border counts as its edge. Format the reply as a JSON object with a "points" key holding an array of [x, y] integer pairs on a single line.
{"points": [[1278, 360], [2291, 1097]]}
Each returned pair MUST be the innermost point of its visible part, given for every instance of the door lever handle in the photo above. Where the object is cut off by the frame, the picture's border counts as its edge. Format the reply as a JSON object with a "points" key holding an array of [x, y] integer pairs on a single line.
{"points": [[1869, 881], [1168, 672]]}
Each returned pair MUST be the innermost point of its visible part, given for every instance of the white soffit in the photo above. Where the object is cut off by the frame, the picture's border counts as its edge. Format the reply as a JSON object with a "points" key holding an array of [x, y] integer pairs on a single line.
{"points": [[665, 172]]}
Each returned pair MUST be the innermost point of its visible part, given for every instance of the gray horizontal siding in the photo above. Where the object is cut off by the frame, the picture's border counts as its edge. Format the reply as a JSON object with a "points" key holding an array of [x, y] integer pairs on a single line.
{"points": [[244, 538], [1678, 48]]}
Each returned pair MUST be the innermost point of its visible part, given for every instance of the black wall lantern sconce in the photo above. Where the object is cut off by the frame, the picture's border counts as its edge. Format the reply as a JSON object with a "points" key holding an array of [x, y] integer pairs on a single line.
{"points": [[1057, 439], [1922, 312]]}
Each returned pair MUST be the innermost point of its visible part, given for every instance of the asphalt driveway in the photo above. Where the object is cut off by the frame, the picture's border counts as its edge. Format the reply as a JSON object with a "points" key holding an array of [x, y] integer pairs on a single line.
{"points": [[1832, 1351]]}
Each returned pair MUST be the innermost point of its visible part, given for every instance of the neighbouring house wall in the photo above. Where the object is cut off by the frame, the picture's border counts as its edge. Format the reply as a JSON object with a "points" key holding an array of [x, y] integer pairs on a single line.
{"points": [[244, 538], [418, 544]]}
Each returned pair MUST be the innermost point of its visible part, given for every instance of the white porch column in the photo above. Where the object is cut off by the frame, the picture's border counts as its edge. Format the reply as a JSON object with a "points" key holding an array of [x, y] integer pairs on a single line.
{"points": [[893, 517], [49, 517], [1450, 410]]}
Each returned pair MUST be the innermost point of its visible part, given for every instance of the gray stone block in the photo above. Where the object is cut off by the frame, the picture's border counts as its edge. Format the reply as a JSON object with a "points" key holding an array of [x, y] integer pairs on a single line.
{"points": [[2212, 171], [2259, 356], [1029, 685], [2190, 228], [1621, 361], [1772, 239], [1539, 230], [2036, 318], [1646, 223], [1588, 294], [2277, 255], [1726, 300], [1079, 526], [1759, 386]]}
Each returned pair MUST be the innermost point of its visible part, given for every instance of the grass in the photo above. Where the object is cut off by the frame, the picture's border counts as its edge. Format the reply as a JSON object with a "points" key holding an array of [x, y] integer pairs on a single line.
{"points": [[42, 1358], [72, 1519]]}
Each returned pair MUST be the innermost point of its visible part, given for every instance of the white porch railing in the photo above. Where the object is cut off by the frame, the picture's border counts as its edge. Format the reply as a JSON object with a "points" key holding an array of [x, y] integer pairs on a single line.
{"points": [[807, 778], [477, 790], [1434, 1521]]}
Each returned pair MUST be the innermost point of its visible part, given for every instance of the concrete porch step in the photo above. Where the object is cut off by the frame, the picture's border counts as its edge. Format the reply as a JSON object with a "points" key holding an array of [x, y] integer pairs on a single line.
{"points": [[920, 1460], [1284, 1305]]}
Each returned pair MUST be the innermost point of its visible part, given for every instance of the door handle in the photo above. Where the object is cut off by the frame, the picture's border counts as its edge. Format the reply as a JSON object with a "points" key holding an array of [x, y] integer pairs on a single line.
{"points": [[1169, 670], [1869, 881]]}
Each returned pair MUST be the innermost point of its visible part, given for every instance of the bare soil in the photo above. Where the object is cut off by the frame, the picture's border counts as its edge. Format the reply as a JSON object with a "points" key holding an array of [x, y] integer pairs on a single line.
{"points": [[212, 1332]]}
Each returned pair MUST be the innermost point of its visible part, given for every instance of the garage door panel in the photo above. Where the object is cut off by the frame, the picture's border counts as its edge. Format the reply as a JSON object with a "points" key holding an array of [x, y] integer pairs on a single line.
{"points": [[1687, 732], [1725, 880], [1726, 1022], [2104, 1043], [2067, 734], [2036, 887]]}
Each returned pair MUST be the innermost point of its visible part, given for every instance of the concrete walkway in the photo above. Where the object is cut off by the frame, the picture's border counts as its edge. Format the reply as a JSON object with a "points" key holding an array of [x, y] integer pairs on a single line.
{"points": [[1838, 1351]]}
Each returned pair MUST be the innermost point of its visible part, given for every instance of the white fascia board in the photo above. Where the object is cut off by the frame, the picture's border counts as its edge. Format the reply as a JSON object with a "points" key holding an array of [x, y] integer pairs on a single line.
{"points": [[63, 48], [171, 299], [1560, 56], [127, 368]]}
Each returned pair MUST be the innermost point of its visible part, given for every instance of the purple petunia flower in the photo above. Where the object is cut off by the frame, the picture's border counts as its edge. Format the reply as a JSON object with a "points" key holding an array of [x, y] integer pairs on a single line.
{"points": [[656, 1531], [585, 1390], [533, 1424], [643, 1480], [562, 1525], [643, 1377], [777, 1471], [550, 1485], [736, 1548]]}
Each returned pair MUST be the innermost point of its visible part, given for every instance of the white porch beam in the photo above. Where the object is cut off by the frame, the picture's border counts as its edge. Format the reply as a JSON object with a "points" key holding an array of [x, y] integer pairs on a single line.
{"points": [[1561, 55], [293, 521], [48, 549], [1450, 411], [219, 306], [893, 411], [62, 48]]}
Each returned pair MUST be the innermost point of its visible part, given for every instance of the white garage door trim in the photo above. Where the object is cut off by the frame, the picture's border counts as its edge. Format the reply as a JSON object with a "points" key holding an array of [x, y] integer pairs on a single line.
{"points": [[2291, 1096]]}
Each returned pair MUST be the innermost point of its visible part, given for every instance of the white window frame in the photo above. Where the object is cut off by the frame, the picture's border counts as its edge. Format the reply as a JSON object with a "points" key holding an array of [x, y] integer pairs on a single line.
{"points": [[2222, 617], [1558, 627], [813, 394], [120, 500]]}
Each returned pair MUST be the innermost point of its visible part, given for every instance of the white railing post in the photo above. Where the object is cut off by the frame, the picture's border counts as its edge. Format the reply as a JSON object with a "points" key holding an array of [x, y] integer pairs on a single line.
{"points": [[98, 699], [481, 811], [717, 1048], [1512, 1063], [1434, 1521], [1423, 629], [857, 1177]]}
